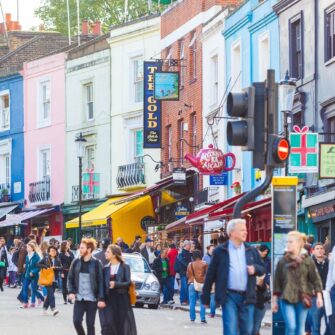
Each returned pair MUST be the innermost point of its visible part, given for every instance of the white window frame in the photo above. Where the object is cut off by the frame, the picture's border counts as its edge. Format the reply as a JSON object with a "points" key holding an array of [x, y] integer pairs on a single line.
{"points": [[193, 49], [39, 162], [87, 163], [263, 59], [215, 79], [135, 82], [86, 84], [182, 62], [42, 121], [135, 143], [238, 86], [4, 113]]}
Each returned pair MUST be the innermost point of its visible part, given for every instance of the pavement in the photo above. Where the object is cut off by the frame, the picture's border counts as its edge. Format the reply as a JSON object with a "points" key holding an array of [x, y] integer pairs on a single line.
{"points": [[17, 321]]}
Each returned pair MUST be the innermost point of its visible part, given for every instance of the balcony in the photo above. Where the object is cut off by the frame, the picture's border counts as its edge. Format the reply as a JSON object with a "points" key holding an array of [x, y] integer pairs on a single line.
{"points": [[39, 192], [85, 196], [131, 176], [209, 195], [5, 195]]}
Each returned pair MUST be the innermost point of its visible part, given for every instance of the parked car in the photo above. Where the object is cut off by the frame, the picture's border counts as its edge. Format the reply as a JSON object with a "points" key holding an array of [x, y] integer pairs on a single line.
{"points": [[147, 284]]}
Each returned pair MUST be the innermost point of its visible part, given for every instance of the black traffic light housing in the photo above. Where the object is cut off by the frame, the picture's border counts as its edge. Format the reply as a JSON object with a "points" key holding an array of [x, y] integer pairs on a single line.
{"points": [[241, 132]]}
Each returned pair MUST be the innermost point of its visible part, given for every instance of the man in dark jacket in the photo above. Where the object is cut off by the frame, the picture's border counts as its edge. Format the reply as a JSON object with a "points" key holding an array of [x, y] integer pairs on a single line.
{"points": [[161, 268], [3, 262], [101, 254], [86, 287], [233, 269]]}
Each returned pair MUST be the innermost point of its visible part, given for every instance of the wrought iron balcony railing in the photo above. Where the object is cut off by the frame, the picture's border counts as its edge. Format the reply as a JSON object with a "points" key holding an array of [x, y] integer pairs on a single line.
{"points": [[85, 196], [40, 191], [131, 175], [5, 193]]}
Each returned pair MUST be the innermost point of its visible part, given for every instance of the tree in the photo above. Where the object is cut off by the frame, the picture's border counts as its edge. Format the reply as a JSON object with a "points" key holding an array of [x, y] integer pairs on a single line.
{"points": [[53, 13]]}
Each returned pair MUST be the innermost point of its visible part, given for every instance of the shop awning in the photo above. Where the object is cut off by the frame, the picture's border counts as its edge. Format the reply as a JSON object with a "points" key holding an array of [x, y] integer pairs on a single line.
{"points": [[19, 219], [179, 224], [5, 210], [126, 217]]}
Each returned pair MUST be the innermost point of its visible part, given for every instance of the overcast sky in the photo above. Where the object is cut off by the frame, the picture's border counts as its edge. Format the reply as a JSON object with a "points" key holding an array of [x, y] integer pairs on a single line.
{"points": [[26, 11]]}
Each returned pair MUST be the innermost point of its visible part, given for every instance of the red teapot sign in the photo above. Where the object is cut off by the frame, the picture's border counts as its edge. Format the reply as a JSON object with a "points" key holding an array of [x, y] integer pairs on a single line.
{"points": [[212, 161]]}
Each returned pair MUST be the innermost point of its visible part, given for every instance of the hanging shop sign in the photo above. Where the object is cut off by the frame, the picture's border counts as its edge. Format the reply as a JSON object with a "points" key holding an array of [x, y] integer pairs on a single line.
{"points": [[179, 176], [181, 211], [91, 184], [327, 160], [304, 151], [152, 108], [148, 221], [167, 86], [212, 161], [219, 180]]}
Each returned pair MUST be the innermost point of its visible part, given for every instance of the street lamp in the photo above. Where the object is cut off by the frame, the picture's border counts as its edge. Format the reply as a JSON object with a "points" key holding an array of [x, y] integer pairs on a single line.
{"points": [[287, 88], [80, 142]]}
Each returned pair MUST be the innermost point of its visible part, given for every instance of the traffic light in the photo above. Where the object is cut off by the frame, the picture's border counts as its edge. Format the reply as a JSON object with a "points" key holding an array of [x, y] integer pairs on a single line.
{"points": [[278, 151], [241, 105]]}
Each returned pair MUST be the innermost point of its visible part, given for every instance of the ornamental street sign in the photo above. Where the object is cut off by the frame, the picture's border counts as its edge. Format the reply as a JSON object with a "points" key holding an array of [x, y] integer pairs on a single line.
{"points": [[304, 151]]}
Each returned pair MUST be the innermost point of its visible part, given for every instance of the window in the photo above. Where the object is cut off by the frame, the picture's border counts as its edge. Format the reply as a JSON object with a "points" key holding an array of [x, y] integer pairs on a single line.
{"points": [[5, 171], [169, 145], [194, 133], [138, 140], [331, 129], [193, 57], [89, 156], [236, 76], [330, 33], [182, 63], [89, 104], [45, 102], [180, 140], [138, 80], [263, 56], [44, 161], [215, 79], [4, 111], [296, 47]]}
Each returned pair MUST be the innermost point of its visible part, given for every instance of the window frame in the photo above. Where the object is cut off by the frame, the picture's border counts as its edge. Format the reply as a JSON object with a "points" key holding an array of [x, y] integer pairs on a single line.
{"points": [[215, 79], [181, 123], [136, 82], [292, 21], [46, 148], [327, 52], [238, 79], [2, 111], [87, 148], [87, 103], [193, 133], [193, 57], [261, 39], [135, 131], [42, 121], [181, 63]]}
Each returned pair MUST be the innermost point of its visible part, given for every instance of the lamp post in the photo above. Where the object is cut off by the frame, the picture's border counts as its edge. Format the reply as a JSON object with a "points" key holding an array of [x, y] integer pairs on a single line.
{"points": [[287, 88], [80, 142]]}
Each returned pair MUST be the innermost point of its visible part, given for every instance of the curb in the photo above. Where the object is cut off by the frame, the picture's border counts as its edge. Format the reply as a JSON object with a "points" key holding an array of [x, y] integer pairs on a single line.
{"points": [[186, 309]]}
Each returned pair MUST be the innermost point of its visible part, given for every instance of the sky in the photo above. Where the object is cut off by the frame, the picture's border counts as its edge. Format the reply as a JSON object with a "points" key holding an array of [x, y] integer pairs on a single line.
{"points": [[26, 11]]}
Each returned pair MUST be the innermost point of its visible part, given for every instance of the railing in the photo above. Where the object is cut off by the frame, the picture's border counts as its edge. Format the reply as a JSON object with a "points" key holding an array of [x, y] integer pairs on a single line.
{"points": [[85, 196], [5, 195], [40, 191], [209, 195], [131, 175]]}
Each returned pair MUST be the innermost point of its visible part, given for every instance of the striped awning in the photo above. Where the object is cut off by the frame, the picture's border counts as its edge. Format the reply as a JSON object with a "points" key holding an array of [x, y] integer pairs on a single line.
{"points": [[5, 210], [21, 218]]}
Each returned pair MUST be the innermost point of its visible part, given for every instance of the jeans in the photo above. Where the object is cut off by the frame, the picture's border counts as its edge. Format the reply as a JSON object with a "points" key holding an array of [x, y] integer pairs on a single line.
{"points": [[258, 318], [194, 296], [294, 316], [332, 317], [171, 280], [237, 315], [64, 286], [34, 292], [165, 289], [80, 308], [212, 304], [12, 277], [50, 299], [183, 290]]}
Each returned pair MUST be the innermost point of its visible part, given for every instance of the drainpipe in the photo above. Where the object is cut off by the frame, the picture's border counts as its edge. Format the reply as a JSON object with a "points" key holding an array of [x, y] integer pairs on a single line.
{"points": [[110, 120], [316, 64]]}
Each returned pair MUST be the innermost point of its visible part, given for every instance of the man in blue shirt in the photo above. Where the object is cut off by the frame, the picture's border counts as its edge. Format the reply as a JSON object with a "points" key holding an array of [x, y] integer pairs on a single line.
{"points": [[233, 269]]}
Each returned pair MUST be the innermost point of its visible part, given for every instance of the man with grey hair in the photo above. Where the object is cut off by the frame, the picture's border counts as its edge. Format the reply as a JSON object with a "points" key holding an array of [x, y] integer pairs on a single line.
{"points": [[233, 269], [180, 266]]}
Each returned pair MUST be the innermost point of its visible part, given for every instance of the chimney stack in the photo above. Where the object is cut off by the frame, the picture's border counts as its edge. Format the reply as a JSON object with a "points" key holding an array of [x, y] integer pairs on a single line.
{"points": [[10, 25], [84, 28], [97, 28]]}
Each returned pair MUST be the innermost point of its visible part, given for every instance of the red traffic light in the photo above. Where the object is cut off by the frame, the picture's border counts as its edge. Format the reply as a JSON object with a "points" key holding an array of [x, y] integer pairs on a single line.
{"points": [[283, 149]]}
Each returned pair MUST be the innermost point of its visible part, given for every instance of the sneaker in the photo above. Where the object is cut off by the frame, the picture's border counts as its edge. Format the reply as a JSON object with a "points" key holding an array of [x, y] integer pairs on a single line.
{"points": [[203, 321], [65, 302], [24, 306], [171, 302], [45, 312], [55, 312], [192, 320], [32, 305], [39, 302]]}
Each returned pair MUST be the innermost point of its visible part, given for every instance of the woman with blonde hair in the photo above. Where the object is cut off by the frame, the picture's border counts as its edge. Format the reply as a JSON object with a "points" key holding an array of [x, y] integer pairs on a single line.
{"points": [[117, 318], [296, 280]]}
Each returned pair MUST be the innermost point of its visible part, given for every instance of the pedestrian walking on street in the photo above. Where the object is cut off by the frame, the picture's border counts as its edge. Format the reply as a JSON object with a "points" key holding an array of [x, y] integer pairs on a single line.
{"points": [[86, 287], [31, 276], [117, 318], [208, 258], [330, 287], [135, 247], [51, 261], [172, 256], [148, 251], [3, 262], [161, 270], [124, 246], [296, 280], [66, 258], [12, 268], [181, 264], [196, 273], [101, 255], [233, 269]]}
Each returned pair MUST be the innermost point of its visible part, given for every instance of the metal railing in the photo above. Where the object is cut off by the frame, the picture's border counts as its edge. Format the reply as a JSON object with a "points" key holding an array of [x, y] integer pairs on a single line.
{"points": [[210, 195], [5, 193], [131, 175], [40, 191], [85, 196]]}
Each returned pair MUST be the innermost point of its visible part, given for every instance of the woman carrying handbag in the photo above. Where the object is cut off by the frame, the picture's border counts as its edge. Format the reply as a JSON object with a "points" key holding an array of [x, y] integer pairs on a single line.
{"points": [[117, 318], [50, 265]]}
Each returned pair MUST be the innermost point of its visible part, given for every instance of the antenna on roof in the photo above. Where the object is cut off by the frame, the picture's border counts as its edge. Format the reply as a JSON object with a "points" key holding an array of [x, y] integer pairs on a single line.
{"points": [[78, 21], [68, 20], [4, 24]]}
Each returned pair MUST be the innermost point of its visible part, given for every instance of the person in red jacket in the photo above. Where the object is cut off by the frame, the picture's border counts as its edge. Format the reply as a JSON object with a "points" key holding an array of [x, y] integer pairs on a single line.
{"points": [[172, 255]]}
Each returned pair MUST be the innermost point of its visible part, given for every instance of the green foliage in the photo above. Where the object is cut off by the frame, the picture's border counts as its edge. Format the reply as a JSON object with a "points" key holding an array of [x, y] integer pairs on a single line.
{"points": [[53, 13]]}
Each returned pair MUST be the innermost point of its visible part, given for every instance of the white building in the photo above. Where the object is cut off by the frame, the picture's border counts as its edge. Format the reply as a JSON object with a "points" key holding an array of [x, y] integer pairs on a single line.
{"points": [[131, 44], [214, 86], [88, 112]]}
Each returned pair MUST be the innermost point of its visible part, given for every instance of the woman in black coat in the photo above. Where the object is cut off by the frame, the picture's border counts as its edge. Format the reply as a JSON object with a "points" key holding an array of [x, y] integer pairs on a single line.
{"points": [[66, 257], [117, 318]]}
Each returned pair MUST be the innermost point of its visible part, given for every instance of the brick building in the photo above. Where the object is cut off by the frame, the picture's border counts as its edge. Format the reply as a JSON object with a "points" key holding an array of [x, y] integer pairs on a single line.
{"points": [[181, 29]]}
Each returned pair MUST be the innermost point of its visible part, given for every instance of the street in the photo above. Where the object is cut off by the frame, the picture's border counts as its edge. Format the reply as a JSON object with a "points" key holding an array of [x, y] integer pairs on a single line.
{"points": [[15, 321]]}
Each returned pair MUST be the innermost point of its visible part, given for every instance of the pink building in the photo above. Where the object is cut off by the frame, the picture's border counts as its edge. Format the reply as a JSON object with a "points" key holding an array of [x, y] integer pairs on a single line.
{"points": [[44, 143]]}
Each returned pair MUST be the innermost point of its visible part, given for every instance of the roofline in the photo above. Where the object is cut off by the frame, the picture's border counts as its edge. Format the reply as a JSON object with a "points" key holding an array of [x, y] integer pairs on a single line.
{"points": [[129, 23]]}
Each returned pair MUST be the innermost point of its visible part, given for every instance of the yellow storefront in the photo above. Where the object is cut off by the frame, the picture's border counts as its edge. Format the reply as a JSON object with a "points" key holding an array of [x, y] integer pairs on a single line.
{"points": [[124, 217]]}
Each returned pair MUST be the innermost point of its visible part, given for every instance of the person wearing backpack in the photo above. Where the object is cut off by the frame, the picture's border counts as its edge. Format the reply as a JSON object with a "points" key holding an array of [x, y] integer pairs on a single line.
{"points": [[182, 262]]}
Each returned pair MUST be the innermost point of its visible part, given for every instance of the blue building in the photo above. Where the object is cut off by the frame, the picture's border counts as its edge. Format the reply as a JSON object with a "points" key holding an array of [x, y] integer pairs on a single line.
{"points": [[252, 47]]}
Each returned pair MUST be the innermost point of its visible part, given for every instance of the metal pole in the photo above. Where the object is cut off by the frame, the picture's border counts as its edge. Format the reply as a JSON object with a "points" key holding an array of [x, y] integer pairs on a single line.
{"points": [[68, 20], [80, 195], [18, 11], [78, 21]]}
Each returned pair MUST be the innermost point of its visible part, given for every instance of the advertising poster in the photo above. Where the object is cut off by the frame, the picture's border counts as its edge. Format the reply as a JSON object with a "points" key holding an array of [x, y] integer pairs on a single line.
{"points": [[327, 160], [167, 85], [152, 108]]}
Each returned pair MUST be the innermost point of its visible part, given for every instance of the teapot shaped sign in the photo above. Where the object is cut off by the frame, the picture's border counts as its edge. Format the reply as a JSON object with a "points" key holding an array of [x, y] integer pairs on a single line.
{"points": [[212, 161]]}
